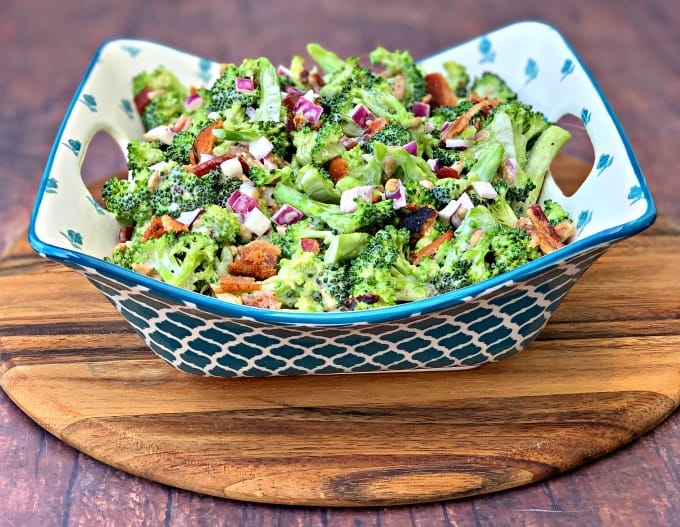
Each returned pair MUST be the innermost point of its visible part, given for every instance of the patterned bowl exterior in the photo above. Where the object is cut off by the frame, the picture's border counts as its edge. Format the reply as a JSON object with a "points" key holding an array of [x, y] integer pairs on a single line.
{"points": [[487, 328]]}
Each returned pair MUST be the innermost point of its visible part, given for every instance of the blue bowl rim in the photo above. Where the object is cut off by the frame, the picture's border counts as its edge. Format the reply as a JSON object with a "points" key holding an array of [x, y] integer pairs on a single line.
{"points": [[377, 315]]}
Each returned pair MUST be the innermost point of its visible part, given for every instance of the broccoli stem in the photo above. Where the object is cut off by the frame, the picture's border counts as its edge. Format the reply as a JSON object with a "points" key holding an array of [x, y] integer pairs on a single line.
{"points": [[488, 162], [542, 154], [270, 99], [344, 247]]}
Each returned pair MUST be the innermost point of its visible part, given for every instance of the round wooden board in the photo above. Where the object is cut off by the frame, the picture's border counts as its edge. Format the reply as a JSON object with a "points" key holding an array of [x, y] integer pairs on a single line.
{"points": [[604, 371]]}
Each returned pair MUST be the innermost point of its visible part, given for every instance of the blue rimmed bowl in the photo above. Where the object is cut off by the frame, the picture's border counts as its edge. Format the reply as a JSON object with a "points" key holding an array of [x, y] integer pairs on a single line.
{"points": [[486, 322]]}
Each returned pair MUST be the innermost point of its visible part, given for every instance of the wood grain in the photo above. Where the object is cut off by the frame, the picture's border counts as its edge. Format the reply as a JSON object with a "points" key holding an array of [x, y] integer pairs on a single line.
{"points": [[605, 371]]}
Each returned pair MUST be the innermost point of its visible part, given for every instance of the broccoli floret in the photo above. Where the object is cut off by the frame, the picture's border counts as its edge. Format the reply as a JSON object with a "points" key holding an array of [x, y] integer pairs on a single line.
{"points": [[448, 114], [262, 177], [159, 79], [180, 191], [327, 143], [511, 247], [180, 148], [167, 96], [278, 136], [317, 184], [555, 212], [364, 169], [527, 124], [219, 223], [345, 247], [368, 216], [162, 110], [383, 269], [142, 154], [400, 63], [404, 166], [295, 284], [186, 260], [334, 285], [129, 202], [490, 86], [488, 158], [289, 241], [224, 95], [392, 134], [458, 77]]}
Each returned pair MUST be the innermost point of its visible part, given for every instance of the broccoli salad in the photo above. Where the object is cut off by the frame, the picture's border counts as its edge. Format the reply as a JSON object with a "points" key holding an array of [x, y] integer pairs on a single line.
{"points": [[335, 186]]}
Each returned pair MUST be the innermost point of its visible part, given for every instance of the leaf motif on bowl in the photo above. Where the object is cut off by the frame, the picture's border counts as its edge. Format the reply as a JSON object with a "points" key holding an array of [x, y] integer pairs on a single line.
{"points": [[126, 106], [635, 194], [204, 66], [74, 238], [585, 116], [486, 49], [133, 51], [603, 163], [89, 101], [74, 146], [584, 219], [567, 69], [531, 70], [51, 186]]}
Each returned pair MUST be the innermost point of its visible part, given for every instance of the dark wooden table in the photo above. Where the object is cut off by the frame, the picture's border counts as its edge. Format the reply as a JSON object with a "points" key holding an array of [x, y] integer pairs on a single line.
{"points": [[631, 48]]}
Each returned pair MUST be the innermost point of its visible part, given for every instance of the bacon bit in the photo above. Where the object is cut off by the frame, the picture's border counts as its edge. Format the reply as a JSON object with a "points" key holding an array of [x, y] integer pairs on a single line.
{"points": [[315, 81], [431, 248], [349, 142], [142, 99], [548, 239], [170, 224], [310, 245], [263, 299], [374, 127], [257, 259], [337, 169], [205, 141], [565, 229], [230, 284], [418, 222], [202, 169], [447, 172], [125, 233], [463, 121], [291, 99], [438, 87], [155, 229]]}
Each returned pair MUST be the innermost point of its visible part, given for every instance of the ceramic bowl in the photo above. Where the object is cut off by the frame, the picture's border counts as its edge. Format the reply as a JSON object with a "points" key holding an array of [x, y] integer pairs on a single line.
{"points": [[482, 323]]}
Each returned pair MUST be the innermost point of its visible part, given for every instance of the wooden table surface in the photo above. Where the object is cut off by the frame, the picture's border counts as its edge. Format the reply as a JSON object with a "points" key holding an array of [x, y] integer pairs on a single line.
{"points": [[630, 47]]}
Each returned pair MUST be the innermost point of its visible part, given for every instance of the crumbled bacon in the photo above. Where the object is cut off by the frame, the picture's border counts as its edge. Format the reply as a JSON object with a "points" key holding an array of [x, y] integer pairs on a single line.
{"points": [[170, 224], [337, 169], [543, 233], [374, 127], [438, 87], [202, 169], [431, 248], [263, 299], [160, 225], [364, 298], [142, 99], [565, 229], [230, 284], [257, 259], [310, 245], [418, 221], [447, 172], [125, 233], [205, 141], [463, 121]]}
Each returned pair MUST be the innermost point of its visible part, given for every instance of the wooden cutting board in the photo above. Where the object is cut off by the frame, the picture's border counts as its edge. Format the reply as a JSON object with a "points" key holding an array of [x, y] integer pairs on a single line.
{"points": [[605, 370]]}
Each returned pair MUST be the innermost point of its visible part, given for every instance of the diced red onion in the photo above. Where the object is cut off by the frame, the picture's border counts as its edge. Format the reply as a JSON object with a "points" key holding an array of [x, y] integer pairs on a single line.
{"points": [[421, 109], [282, 71], [287, 215], [232, 167], [429, 127], [260, 148], [309, 95], [347, 199], [292, 90], [445, 126], [244, 85], [193, 102], [395, 190], [456, 143], [241, 203], [411, 147], [433, 164], [485, 190], [509, 171], [189, 217], [255, 221], [466, 201], [312, 112], [247, 188], [361, 115], [447, 212]]}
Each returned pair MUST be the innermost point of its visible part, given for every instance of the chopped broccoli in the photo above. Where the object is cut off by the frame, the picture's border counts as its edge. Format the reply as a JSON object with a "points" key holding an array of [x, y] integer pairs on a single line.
{"points": [[383, 269], [448, 114], [162, 110], [367, 217], [392, 134], [295, 284], [458, 77], [408, 168], [128, 201], [555, 212], [181, 147], [527, 125], [142, 154], [167, 96], [224, 95], [490, 86], [334, 285], [400, 63], [344, 247], [317, 184], [289, 241], [186, 260], [327, 143], [219, 223]]}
